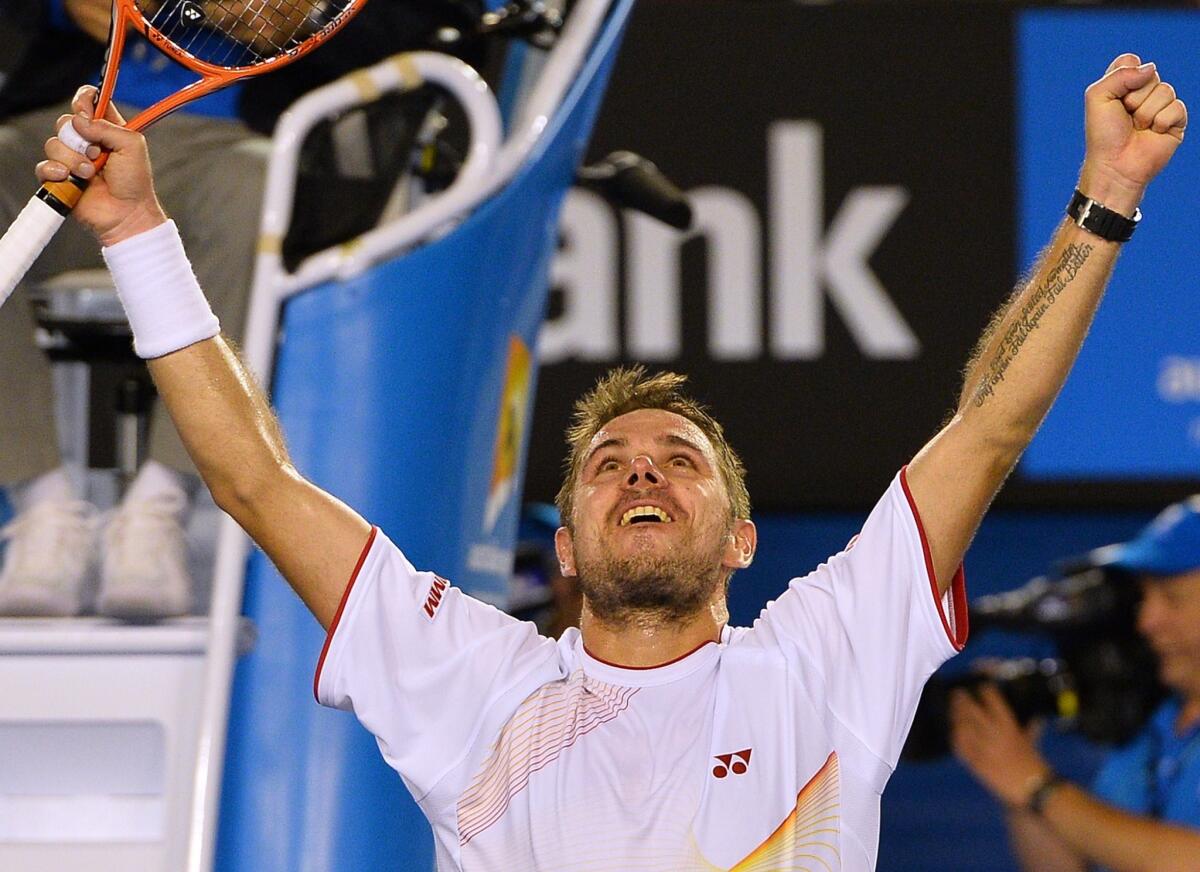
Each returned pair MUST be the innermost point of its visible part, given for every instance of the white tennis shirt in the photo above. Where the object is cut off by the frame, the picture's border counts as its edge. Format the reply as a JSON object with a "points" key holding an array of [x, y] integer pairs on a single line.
{"points": [[768, 750]]}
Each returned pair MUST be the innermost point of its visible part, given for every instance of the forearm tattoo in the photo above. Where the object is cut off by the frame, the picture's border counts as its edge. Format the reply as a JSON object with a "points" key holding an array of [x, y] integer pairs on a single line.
{"points": [[1070, 262]]}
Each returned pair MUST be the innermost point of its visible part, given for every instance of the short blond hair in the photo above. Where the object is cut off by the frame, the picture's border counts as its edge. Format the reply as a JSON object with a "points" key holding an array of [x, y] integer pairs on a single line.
{"points": [[628, 389]]}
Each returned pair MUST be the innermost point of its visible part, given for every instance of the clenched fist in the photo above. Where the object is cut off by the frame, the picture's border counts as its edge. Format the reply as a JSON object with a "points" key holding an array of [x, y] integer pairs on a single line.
{"points": [[1134, 121]]}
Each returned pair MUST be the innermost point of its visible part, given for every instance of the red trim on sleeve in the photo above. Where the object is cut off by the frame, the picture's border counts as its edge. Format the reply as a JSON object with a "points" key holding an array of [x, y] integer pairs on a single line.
{"points": [[955, 623], [362, 558]]}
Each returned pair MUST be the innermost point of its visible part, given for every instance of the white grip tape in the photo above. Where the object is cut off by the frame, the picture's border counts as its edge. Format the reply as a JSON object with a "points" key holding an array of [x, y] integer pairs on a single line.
{"points": [[70, 137], [24, 241], [167, 310]]}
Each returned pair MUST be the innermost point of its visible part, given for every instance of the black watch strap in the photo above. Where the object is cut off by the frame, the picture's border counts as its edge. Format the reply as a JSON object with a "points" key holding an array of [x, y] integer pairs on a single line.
{"points": [[1099, 219], [1049, 784]]}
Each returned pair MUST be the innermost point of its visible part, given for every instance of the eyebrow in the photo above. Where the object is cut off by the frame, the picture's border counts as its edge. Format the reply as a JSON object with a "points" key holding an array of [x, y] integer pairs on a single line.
{"points": [[675, 439], [611, 442], [667, 439]]}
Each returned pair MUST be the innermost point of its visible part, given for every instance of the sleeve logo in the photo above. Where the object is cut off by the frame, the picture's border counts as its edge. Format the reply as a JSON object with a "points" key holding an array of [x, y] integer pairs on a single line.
{"points": [[436, 592]]}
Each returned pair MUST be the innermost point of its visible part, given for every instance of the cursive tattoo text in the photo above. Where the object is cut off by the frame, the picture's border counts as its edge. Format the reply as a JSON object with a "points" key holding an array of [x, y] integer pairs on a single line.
{"points": [[1060, 275]]}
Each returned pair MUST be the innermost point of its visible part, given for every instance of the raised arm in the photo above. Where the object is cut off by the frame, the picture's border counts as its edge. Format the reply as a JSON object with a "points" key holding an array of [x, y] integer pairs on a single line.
{"points": [[235, 442], [1134, 123], [222, 416]]}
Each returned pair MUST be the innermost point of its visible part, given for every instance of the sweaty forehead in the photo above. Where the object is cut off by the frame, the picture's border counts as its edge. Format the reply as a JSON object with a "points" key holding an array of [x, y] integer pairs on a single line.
{"points": [[646, 427]]}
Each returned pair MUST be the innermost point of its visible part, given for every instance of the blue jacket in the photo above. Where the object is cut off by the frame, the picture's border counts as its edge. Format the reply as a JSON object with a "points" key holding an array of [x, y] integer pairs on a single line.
{"points": [[1157, 774]]}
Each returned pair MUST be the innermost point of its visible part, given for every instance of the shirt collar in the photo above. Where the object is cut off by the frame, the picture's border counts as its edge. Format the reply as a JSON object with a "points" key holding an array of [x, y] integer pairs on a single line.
{"points": [[705, 655]]}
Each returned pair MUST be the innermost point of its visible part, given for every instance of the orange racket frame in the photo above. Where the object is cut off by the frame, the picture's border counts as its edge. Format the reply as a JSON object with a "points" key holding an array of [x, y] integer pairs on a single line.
{"points": [[213, 77]]}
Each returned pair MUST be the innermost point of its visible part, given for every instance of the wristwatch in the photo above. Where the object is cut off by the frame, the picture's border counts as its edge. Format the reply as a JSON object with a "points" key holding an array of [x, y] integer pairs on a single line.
{"points": [[1098, 219], [1050, 783]]}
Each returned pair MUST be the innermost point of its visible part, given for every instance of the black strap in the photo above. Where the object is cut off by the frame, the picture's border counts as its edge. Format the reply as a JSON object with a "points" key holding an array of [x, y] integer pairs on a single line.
{"points": [[1098, 219], [1049, 784]]}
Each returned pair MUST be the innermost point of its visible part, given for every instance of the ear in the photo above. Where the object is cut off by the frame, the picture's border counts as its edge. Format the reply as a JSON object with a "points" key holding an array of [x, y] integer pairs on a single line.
{"points": [[741, 545], [564, 548]]}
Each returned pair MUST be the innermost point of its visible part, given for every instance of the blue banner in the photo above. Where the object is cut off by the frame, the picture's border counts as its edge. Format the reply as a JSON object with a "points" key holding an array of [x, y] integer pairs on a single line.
{"points": [[1131, 408]]}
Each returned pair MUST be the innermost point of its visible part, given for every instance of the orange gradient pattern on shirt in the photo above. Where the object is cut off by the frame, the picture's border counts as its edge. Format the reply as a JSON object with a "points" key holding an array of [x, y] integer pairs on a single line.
{"points": [[809, 835]]}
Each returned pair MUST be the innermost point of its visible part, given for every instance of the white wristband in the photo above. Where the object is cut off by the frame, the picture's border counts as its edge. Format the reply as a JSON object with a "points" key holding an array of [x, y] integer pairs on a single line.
{"points": [[167, 310]]}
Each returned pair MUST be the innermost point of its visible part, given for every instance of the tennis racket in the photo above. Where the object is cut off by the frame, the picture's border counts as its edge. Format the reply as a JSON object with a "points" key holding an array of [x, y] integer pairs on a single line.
{"points": [[220, 40]]}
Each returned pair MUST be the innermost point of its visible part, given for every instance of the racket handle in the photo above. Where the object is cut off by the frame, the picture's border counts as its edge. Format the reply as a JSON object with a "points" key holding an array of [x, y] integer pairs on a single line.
{"points": [[24, 241]]}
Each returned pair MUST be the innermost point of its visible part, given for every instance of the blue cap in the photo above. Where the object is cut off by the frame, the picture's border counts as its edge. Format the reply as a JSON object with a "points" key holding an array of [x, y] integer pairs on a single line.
{"points": [[1168, 545]]}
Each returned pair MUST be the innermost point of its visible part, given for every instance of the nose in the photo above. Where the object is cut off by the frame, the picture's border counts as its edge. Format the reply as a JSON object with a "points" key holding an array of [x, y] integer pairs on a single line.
{"points": [[643, 472]]}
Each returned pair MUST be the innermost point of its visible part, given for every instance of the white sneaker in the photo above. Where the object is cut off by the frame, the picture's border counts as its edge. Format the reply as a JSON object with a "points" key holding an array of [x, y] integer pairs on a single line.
{"points": [[144, 573], [50, 547]]}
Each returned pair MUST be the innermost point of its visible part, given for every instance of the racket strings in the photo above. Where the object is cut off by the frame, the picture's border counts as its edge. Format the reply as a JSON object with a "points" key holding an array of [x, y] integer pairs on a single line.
{"points": [[240, 33]]}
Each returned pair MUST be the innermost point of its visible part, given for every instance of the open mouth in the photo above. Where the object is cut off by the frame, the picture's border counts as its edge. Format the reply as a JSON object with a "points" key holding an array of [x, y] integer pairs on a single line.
{"points": [[645, 515]]}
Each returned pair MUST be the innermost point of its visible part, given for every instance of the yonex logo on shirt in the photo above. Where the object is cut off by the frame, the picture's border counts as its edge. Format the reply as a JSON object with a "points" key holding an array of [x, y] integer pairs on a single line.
{"points": [[435, 597], [726, 763]]}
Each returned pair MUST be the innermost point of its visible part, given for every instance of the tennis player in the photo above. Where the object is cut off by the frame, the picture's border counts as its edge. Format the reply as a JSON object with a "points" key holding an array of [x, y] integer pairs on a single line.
{"points": [[656, 737]]}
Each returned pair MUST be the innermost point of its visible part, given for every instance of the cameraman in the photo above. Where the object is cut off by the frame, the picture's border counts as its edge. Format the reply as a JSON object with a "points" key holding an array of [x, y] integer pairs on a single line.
{"points": [[1144, 811]]}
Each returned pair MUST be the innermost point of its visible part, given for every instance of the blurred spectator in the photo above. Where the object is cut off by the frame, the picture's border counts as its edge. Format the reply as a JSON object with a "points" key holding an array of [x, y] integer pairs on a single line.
{"points": [[209, 167], [1143, 811]]}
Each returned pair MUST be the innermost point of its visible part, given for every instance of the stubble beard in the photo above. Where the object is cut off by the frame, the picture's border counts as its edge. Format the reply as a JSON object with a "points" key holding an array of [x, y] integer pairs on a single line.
{"points": [[653, 588]]}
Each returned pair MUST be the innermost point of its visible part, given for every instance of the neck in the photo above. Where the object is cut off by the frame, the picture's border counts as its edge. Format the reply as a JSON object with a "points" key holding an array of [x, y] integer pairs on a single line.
{"points": [[643, 640]]}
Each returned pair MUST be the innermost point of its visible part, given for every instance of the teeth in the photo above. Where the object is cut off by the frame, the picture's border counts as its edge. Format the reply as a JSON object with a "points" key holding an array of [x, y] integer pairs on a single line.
{"points": [[644, 512]]}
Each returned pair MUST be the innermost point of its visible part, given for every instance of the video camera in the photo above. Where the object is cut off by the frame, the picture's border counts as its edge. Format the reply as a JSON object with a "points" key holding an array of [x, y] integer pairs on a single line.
{"points": [[1103, 683]]}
